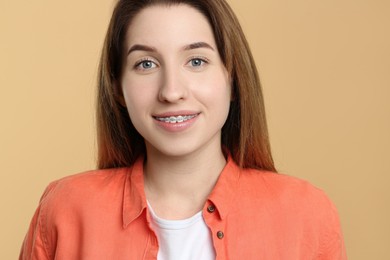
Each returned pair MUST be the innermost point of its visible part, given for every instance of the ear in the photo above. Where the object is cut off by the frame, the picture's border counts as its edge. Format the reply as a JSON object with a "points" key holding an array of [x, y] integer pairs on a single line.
{"points": [[118, 93]]}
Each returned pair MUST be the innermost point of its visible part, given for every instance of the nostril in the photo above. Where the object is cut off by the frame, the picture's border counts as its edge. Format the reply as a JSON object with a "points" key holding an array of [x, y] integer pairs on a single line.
{"points": [[172, 94]]}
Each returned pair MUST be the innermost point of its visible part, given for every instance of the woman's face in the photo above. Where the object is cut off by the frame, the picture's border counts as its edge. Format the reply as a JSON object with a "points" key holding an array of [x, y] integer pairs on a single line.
{"points": [[176, 88]]}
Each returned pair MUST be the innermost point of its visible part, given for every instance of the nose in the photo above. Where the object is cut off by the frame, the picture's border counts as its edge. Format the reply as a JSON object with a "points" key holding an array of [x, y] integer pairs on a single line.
{"points": [[173, 86]]}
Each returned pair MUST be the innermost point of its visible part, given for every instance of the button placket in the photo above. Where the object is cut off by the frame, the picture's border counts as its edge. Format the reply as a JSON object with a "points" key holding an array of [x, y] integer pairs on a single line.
{"points": [[218, 232]]}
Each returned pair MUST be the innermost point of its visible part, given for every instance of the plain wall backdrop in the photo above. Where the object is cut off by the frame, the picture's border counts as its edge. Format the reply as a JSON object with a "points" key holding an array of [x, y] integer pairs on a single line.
{"points": [[325, 70]]}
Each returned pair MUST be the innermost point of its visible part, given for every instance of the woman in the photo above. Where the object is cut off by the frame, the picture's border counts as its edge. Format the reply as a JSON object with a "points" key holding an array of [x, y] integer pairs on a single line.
{"points": [[185, 169]]}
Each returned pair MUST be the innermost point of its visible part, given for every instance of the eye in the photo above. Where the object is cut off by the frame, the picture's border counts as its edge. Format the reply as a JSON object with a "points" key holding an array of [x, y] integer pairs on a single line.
{"points": [[197, 62], [146, 64]]}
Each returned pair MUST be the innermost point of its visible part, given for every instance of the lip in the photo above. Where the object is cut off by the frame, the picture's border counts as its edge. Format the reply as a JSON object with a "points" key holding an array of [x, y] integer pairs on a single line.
{"points": [[179, 126]]}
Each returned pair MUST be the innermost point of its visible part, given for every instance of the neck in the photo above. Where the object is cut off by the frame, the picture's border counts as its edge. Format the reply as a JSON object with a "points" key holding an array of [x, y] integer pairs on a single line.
{"points": [[178, 186]]}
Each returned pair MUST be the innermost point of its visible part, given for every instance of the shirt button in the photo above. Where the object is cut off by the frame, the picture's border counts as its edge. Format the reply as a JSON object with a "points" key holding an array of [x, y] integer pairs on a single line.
{"points": [[211, 208], [220, 234]]}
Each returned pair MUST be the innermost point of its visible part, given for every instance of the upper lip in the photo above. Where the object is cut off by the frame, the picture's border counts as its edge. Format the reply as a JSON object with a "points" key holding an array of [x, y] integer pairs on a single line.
{"points": [[176, 113]]}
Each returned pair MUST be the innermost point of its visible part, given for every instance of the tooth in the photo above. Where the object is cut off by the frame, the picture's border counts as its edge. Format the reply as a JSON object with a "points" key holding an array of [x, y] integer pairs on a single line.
{"points": [[175, 119], [172, 120]]}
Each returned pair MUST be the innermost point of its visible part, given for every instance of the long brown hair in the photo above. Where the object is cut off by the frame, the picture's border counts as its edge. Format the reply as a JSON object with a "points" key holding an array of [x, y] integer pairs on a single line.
{"points": [[245, 132]]}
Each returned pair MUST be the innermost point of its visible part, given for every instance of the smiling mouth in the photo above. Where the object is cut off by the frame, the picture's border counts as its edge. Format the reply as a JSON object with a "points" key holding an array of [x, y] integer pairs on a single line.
{"points": [[175, 119]]}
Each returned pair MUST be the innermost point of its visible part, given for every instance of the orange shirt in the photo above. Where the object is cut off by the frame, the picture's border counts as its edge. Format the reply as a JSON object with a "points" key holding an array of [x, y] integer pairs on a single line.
{"points": [[251, 214]]}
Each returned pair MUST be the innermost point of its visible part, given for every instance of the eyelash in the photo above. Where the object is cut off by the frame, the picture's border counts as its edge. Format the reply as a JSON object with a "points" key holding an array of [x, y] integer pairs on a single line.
{"points": [[142, 61], [203, 60]]}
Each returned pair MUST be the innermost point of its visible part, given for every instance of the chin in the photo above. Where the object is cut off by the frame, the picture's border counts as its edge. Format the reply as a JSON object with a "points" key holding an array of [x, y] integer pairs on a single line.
{"points": [[174, 151], [172, 148], [182, 147]]}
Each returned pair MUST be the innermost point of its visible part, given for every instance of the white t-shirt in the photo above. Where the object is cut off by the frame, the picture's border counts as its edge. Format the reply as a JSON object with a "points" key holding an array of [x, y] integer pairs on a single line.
{"points": [[186, 239]]}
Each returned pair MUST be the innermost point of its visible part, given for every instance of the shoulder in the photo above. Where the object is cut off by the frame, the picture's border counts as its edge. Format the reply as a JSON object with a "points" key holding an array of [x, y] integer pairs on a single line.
{"points": [[285, 192], [285, 209], [68, 204], [76, 192], [294, 203], [278, 184], [88, 181]]}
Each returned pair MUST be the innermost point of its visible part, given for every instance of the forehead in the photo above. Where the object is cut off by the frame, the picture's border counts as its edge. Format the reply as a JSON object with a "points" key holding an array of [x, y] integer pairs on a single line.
{"points": [[174, 25]]}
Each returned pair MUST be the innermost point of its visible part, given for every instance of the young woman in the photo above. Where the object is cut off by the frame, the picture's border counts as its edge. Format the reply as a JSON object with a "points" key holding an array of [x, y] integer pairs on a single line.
{"points": [[185, 169]]}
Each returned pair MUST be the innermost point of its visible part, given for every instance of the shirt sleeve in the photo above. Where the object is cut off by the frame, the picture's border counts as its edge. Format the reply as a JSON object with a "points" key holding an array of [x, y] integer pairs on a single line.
{"points": [[333, 247], [35, 245]]}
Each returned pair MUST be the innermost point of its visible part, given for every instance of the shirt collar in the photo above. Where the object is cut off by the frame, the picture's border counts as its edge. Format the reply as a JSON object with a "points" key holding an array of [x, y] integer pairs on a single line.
{"points": [[225, 189], [134, 199]]}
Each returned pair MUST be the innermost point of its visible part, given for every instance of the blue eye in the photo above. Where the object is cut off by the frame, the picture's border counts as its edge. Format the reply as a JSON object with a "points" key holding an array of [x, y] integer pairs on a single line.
{"points": [[145, 65], [197, 62]]}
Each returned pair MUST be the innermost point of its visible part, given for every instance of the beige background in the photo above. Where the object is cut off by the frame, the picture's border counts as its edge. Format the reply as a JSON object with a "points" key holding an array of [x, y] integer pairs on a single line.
{"points": [[325, 68]]}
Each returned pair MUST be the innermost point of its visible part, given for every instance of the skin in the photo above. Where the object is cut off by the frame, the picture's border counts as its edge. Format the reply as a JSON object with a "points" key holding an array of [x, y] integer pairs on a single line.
{"points": [[172, 67]]}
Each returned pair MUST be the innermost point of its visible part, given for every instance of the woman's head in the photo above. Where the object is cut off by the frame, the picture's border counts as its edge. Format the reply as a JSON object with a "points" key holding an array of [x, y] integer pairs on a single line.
{"points": [[174, 84], [244, 134]]}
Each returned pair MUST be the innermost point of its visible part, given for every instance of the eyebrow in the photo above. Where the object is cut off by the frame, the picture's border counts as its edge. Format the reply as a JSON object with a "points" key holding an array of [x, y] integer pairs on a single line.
{"points": [[197, 45], [192, 46], [139, 47]]}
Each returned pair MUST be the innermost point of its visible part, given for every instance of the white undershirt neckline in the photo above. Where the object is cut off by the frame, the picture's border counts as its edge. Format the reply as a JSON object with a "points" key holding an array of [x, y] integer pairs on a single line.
{"points": [[185, 239]]}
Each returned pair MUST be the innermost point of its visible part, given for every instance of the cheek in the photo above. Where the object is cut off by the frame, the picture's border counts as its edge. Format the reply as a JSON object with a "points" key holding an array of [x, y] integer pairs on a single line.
{"points": [[216, 91], [137, 100], [222, 97], [138, 92]]}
